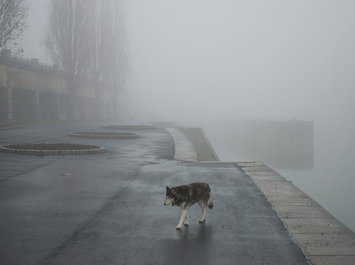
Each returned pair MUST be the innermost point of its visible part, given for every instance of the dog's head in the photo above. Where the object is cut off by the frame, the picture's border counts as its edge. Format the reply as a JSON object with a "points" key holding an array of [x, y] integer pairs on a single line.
{"points": [[170, 196]]}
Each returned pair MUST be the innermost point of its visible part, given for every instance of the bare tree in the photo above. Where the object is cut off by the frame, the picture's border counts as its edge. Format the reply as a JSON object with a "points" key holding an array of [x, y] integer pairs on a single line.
{"points": [[119, 63], [85, 37], [100, 51], [108, 51], [68, 41], [13, 14]]}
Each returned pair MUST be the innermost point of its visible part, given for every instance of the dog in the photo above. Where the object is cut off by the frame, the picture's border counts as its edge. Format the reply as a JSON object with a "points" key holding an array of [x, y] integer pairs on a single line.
{"points": [[187, 195]]}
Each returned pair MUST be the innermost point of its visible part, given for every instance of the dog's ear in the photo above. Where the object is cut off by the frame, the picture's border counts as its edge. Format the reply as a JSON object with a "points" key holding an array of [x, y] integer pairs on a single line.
{"points": [[167, 188]]}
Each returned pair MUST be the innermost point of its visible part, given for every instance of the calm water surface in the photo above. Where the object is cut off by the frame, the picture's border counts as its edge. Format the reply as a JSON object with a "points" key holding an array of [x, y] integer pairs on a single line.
{"points": [[316, 157]]}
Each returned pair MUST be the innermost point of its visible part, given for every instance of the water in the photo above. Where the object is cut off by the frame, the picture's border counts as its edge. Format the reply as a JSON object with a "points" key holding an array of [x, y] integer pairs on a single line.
{"points": [[317, 157]]}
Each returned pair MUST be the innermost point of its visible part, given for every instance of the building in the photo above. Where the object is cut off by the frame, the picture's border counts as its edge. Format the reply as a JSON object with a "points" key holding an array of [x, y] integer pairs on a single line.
{"points": [[32, 91]]}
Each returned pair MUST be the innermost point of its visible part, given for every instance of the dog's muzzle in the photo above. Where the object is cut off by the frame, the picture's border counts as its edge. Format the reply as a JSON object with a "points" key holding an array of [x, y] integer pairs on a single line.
{"points": [[170, 201]]}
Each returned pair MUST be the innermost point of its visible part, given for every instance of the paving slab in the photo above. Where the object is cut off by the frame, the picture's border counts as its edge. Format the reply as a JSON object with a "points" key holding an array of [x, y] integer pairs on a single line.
{"points": [[258, 167], [285, 191], [323, 238], [333, 260], [264, 179], [310, 226], [283, 184], [268, 173], [245, 164], [291, 200], [301, 211], [327, 244]]}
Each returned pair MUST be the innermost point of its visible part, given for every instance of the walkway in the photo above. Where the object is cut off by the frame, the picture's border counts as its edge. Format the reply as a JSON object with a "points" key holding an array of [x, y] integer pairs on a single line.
{"points": [[324, 239], [108, 208]]}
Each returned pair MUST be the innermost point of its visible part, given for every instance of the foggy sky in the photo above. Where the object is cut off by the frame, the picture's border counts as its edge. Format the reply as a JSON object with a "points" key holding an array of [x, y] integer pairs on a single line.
{"points": [[37, 21], [240, 59], [203, 59]]}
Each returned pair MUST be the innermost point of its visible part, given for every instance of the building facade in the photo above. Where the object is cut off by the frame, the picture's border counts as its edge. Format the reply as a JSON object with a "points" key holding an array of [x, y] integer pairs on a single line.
{"points": [[31, 91]]}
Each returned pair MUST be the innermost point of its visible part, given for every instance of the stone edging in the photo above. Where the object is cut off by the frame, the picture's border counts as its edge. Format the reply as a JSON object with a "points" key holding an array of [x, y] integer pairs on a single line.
{"points": [[130, 127], [52, 152], [184, 149], [322, 238], [9, 127], [97, 136], [204, 137]]}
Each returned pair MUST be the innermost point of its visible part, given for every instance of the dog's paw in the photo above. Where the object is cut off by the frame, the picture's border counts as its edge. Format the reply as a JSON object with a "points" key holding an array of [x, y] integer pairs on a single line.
{"points": [[186, 224], [178, 228], [202, 221]]}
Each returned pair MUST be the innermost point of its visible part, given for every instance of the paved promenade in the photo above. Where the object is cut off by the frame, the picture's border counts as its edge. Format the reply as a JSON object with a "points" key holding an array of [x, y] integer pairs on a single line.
{"points": [[108, 208], [324, 239]]}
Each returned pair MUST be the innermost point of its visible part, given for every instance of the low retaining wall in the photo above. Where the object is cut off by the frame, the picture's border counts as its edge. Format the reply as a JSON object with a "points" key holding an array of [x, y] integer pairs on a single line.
{"points": [[24, 151], [323, 238]]}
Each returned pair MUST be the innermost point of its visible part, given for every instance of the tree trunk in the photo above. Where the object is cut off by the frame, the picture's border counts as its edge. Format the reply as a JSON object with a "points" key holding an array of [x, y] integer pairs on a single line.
{"points": [[98, 100], [71, 99], [115, 105]]}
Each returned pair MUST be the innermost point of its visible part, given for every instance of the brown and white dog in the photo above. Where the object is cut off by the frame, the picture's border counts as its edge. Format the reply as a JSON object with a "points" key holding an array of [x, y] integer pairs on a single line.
{"points": [[187, 195]]}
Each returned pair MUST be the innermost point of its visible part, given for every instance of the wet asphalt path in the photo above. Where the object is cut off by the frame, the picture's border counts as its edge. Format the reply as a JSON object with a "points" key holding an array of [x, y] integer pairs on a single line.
{"points": [[108, 208]]}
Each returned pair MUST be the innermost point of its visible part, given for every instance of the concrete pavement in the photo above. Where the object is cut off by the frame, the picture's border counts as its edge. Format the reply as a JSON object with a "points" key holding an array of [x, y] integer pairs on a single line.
{"points": [[324, 239], [108, 208]]}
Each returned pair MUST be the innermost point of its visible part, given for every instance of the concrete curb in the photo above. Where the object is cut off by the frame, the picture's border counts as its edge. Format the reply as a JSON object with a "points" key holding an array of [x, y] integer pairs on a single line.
{"points": [[204, 137], [10, 127], [323, 238], [97, 136], [200, 148], [130, 127], [184, 149], [52, 152]]}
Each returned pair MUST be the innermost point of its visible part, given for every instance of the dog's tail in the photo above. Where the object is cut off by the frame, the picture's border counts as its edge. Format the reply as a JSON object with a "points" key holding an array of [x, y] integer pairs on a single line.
{"points": [[210, 201]]}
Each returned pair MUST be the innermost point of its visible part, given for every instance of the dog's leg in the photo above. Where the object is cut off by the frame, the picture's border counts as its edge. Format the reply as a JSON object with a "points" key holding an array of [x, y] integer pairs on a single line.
{"points": [[186, 223], [203, 208], [182, 218]]}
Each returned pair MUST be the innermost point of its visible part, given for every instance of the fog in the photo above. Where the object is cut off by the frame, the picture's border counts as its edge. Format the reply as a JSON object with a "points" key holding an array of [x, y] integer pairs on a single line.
{"points": [[214, 63], [34, 35], [241, 59]]}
